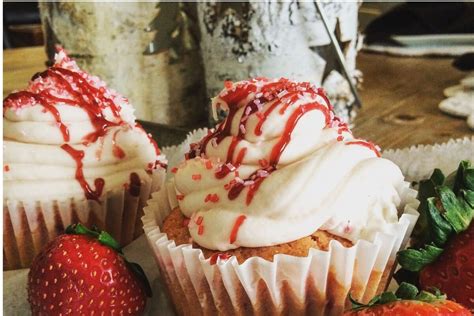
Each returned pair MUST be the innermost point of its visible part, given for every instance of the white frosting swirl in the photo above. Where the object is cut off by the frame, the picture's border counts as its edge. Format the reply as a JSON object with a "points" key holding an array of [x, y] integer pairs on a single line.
{"points": [[37, 167], [324, 178]]}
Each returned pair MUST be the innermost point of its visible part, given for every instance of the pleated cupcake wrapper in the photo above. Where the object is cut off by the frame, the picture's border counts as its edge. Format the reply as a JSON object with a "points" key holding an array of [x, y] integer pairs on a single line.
{"points": [[29, 225], [317, 284], [418, 162]]}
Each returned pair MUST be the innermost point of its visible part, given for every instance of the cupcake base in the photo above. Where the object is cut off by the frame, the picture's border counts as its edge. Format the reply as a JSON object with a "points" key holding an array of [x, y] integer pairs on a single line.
{"points": [[175, 226], [29, 225], [315, 283]]}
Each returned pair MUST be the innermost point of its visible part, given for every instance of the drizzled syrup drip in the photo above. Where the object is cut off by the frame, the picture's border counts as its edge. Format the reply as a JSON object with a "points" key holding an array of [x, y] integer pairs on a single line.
{"points": [[43, 98], [221, 256], [75, 90], [99, 183], [276, 92], [135, 184], [235, 229], [365, 144]]}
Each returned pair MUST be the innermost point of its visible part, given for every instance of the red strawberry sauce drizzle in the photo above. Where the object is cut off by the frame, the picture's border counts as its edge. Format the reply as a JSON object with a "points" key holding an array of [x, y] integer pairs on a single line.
{"points": [[116, 149], [365, 144], [135, 184], [235, 229], [222, 256], [85, 95], [78, 155], [40, 98], [278, 92]]}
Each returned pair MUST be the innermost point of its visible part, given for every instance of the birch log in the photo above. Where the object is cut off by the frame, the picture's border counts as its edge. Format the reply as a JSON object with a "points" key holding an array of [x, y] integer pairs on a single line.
{"points": [[109, 40], [279, 39]]}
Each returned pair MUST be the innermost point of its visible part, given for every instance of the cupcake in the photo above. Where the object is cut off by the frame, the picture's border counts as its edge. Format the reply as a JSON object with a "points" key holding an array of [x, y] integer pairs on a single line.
{"points": [[279, 209], [72, 153]]}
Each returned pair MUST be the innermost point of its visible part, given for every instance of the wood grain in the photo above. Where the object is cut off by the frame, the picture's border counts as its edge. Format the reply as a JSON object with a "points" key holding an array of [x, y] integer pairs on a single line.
{"points": [[400, 101], [400, 96]]}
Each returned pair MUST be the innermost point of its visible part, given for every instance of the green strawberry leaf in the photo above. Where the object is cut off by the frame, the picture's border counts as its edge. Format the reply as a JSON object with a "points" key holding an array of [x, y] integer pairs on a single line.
{"points": [[457, 213], [440, 229], [106, 239], [387, 297], [437, 177], [464, 177], [407, 291], [404, 275], [415, 259], [468, 196]]}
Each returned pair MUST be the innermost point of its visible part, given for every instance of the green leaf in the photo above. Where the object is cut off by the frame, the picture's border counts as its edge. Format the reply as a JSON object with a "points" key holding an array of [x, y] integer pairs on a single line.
{"points": [[426, 296], [415, 259], [464, 178], [437, 177], [468, 196], [440, 229], [403, 275], [355, 304], [106, 239], [406, 291], [426, 189], [387, 297], [455, 212], [374, 300]]}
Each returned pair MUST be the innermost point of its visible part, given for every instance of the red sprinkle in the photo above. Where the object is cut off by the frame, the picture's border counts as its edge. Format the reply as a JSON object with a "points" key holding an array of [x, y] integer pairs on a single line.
{"points": [[208, 164], [339, 138], [196, 177], [199, 220], [235, 230], [201, 230], [6, 168], [174, 170], [221, 256], [180, 197]]}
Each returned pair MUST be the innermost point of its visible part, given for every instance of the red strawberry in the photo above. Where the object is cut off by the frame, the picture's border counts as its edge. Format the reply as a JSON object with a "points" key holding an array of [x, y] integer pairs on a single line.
{"points": [[407, 301], [410, 308], [84, 273], [453, 271]]}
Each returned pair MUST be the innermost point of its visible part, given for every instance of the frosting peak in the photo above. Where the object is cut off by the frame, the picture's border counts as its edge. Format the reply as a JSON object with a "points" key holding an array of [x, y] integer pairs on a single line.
{"points": [[281, 166]]}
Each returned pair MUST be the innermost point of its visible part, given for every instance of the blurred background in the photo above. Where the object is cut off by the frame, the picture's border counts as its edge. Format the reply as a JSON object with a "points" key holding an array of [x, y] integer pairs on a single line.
{"points": [[403, 64]]}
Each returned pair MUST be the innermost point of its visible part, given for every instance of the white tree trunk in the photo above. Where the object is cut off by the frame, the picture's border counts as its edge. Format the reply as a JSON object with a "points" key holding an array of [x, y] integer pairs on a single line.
{"points": [[108, 40], [278, 39]]}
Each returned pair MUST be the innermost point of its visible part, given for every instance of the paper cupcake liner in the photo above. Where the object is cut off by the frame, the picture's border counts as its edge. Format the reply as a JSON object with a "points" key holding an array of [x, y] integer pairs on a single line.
{"points": [[29, 225], [418, 162], [317, 284]]}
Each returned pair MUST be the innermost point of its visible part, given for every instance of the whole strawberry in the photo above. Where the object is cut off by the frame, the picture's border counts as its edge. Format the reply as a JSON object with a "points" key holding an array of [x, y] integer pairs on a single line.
{"points": [[453, 271], [83, 272], [443, 252], [408, 301]]}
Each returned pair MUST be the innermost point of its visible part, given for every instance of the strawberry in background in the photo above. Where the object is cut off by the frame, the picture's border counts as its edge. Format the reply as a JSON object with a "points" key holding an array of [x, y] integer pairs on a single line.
{"points": [[442, 255], [407, 300], [84, 272]]}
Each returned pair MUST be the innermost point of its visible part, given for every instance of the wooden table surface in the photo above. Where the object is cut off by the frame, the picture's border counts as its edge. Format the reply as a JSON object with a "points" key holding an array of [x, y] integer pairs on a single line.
{"points": [[400, 96]]}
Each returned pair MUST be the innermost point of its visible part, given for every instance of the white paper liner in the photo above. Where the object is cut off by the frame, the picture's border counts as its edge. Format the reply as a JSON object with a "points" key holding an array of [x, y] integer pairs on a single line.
{"points": [[29, 225], [418, 162], [316, 284]]}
